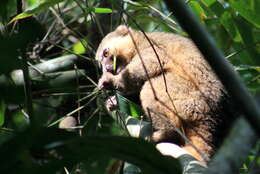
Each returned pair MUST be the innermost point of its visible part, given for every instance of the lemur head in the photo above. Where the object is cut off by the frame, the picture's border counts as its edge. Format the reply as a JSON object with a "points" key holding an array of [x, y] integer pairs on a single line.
{"points": [[116, 46]]}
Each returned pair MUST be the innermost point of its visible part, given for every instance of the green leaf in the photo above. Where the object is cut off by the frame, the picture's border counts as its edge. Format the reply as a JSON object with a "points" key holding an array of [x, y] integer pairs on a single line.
{"points": [[248, 38], [34, 10], [32, 2], [74, 150], [20, 121], [247, 10], [208, 3], [2, 113], [215, 6], [228, 23], [128, 106], [79, 47], [99, 10], [7, 9], [198, 9], [250, 76]]}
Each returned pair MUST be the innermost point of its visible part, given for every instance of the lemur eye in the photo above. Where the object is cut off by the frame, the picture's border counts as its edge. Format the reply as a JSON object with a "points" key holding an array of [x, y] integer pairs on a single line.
{"points": [[105, 52]]}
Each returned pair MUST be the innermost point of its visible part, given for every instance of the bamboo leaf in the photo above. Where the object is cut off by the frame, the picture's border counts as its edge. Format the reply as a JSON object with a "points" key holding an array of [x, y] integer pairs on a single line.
{"points": [[228, 23], [215, 6], [2, 113], [99, 10], [248, 38], [129, 107], [198, 9], [247, 10], [208, 3], [79, 47]]}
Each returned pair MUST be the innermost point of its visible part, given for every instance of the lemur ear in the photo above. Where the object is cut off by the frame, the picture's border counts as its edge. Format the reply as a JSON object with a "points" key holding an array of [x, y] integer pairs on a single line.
{"points": [[122, 30]]}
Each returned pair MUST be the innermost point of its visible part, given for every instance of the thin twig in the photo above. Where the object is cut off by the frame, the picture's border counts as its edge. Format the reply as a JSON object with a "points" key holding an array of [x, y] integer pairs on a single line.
{"points": [[90, 117], [141, 58], [95, 19], [67, 50], [242, 49], [89, 95], [155, 52], [72, 112], [78, 97], [167, 17], [27, 89]]}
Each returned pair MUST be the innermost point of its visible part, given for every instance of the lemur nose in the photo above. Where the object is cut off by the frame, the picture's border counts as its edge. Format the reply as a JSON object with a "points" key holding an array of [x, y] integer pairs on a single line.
{"points": [[106, 85]]}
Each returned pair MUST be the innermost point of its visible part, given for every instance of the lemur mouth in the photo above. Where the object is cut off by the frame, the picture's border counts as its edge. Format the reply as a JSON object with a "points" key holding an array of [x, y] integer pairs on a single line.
{"points": [[109, 68]]}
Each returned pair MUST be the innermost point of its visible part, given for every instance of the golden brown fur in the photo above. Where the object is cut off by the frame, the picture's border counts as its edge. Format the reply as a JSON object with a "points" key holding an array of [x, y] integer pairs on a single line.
{"points": [[194, 102]]}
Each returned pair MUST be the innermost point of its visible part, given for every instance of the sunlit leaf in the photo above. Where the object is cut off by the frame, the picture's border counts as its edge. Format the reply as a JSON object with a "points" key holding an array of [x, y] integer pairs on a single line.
{"points": [[2, 113], [79, 47], [198, 9], [99, 10], [32, 2], [34, 10]]}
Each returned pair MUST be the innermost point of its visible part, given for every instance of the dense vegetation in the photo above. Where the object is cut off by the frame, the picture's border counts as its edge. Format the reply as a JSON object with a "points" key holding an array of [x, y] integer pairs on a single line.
{"points": [[48, 73]]}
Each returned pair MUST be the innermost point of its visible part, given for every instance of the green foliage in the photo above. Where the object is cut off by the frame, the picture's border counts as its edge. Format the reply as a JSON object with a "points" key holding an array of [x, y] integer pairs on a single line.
{"points": [[7, 9], [99, 10], [251, 76], [74, 150], [40, 7], [129, 107], [2, 113], [79, 47], [44, 5], [234, 25], [247, 9], [67, 87]]}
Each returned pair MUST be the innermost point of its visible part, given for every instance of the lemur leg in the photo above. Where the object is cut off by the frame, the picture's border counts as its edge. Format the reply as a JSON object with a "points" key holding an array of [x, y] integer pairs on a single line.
{"points": [[177, 114]]}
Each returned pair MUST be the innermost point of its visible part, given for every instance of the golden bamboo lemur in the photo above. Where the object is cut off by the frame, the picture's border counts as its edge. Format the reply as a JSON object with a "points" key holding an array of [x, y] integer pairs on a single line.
{"points": [[194, 101]]}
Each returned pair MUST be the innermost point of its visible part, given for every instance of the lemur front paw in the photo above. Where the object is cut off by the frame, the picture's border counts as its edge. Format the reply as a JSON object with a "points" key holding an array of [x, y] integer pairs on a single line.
{"points": [[111, 103]]}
